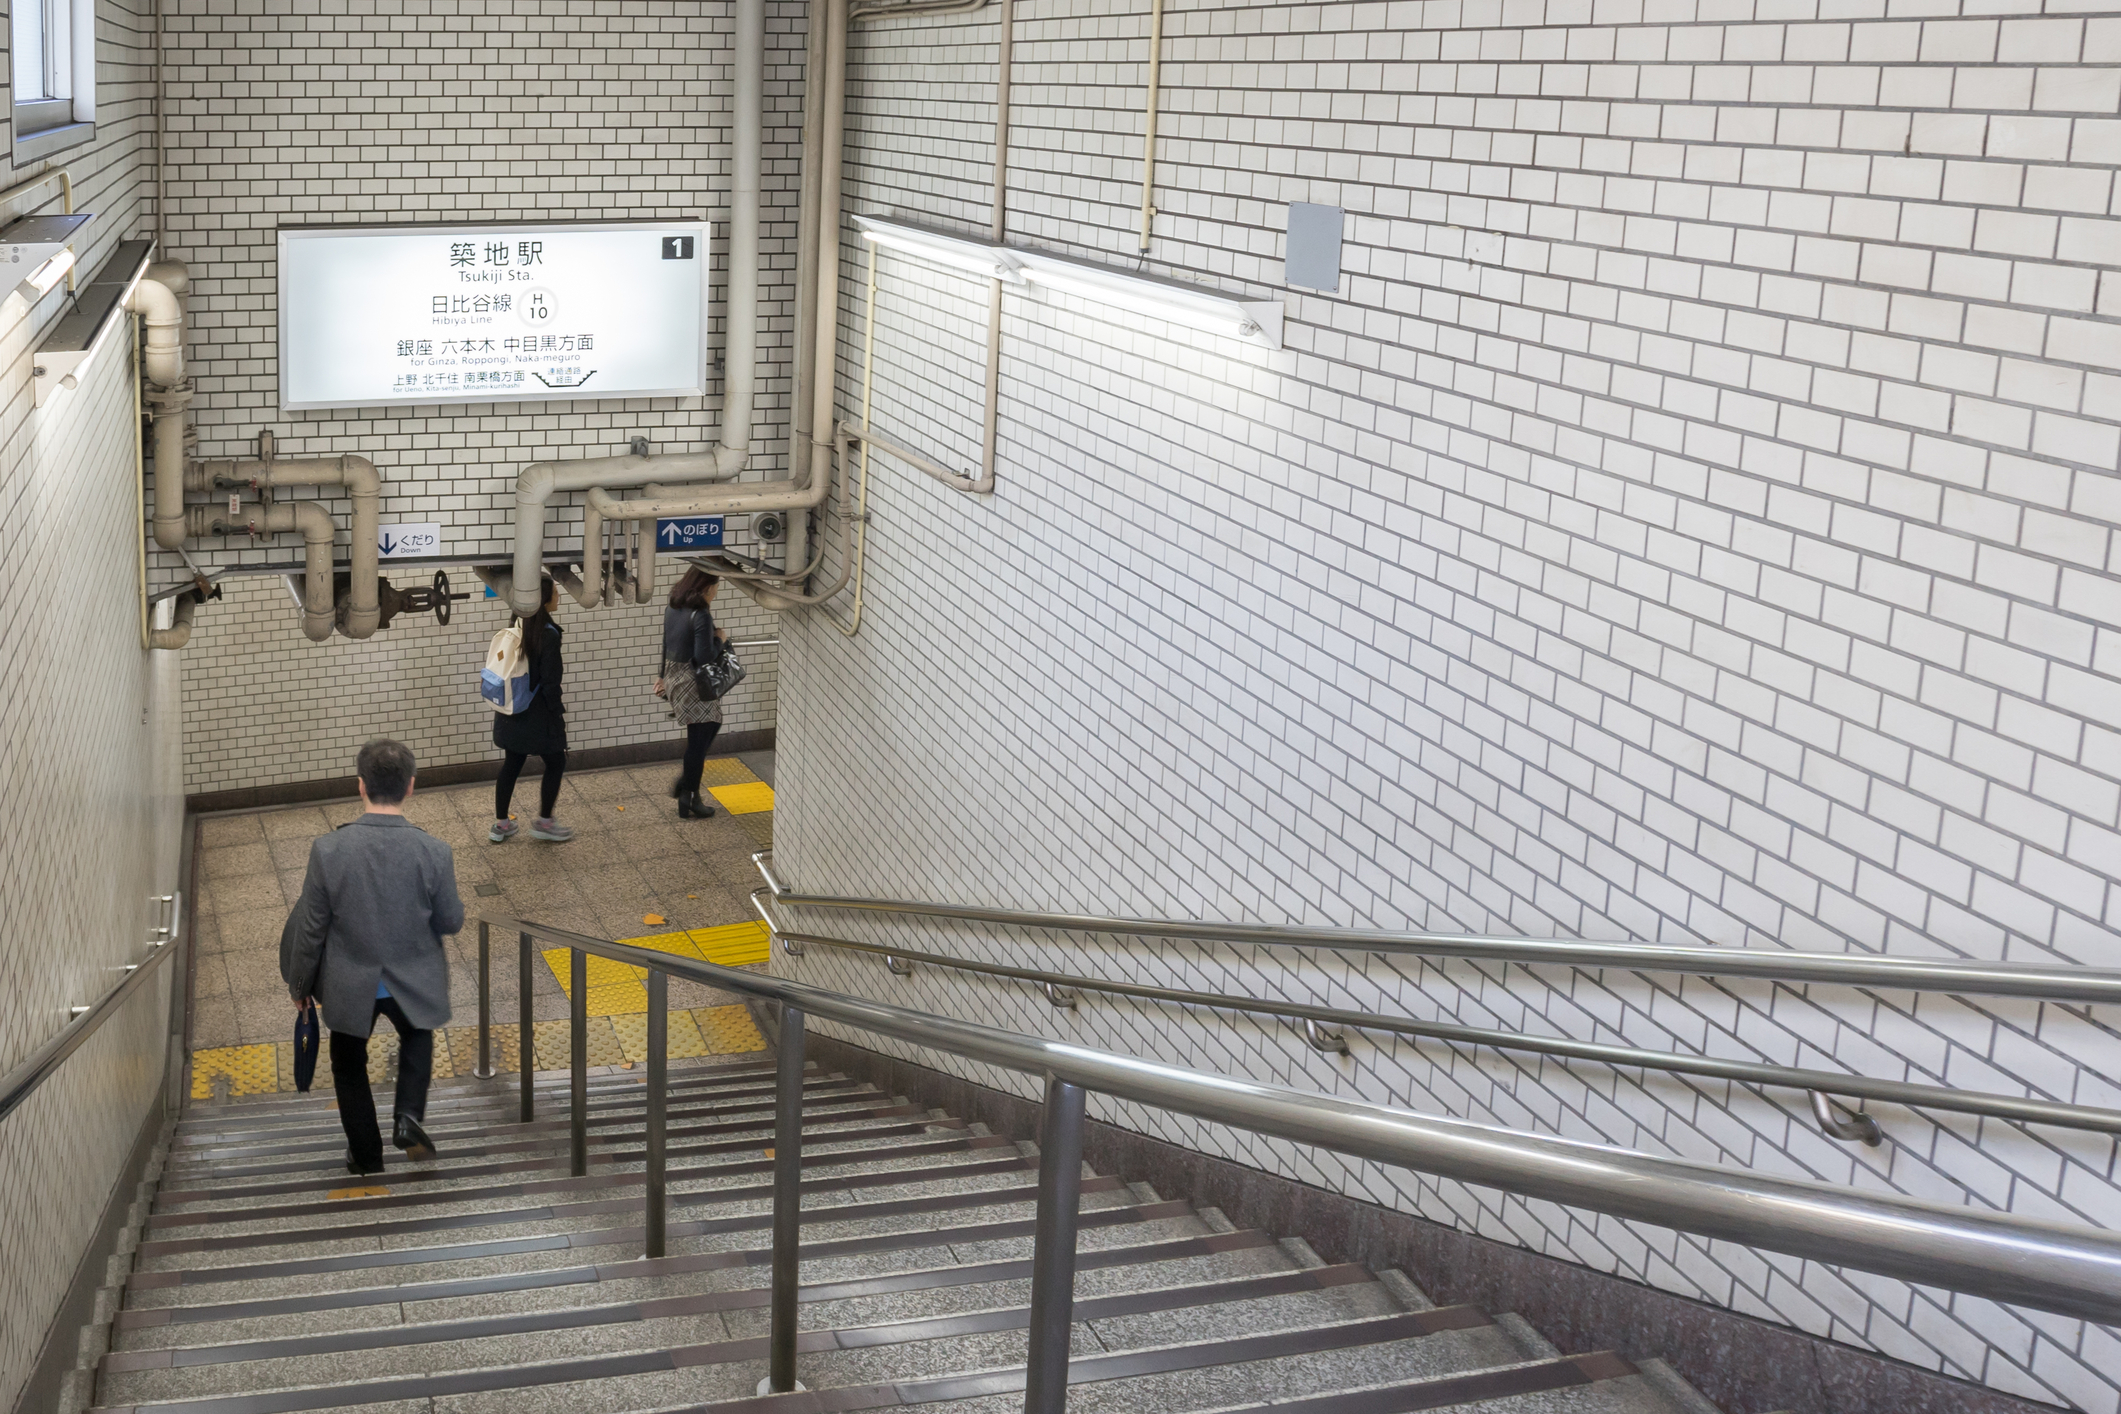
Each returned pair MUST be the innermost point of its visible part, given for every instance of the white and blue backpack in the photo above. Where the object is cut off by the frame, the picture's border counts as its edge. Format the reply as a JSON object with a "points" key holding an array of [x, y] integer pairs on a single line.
{"points": [[506, 684]]}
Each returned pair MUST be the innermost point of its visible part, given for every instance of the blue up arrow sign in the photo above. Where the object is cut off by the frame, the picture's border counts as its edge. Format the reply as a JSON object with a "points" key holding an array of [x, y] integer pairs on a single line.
{"points": [[689, 533]]}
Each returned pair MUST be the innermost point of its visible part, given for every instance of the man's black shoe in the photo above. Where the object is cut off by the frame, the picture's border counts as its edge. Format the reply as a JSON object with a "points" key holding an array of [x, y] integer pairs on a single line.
{"points": [[405, 1132], [356, 1170]]}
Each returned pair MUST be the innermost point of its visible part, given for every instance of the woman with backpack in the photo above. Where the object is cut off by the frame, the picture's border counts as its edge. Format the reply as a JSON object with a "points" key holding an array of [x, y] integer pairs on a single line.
{"points": [[689, 640], [540, 729]]}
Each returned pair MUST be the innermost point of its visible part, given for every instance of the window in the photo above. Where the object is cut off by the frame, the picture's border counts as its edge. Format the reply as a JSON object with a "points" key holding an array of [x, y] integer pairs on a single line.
{"points": [[54, 54]]}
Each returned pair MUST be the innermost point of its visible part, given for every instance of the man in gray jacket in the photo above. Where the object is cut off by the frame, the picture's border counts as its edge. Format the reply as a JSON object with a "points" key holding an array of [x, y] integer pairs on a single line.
{"points": [[365, 940]]}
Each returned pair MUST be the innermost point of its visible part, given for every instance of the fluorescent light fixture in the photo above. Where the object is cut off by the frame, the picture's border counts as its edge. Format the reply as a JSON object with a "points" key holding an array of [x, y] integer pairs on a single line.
{"points": [[1178, 301], [971, 255], [39, 246], [1195, 306], [38, 283], [99, 307]]}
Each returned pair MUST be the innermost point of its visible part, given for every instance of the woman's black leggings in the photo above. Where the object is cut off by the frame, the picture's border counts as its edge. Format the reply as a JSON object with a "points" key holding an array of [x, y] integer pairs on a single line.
{"points": [[698, 737], [504, 789]]}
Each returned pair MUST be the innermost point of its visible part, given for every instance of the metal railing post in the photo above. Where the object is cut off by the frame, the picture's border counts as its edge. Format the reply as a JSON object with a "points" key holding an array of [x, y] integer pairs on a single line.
{"points": [[787, 1200], [526, 1040], [658, 1082], [578, 1061], [484, 1070], [1060, 1183]]}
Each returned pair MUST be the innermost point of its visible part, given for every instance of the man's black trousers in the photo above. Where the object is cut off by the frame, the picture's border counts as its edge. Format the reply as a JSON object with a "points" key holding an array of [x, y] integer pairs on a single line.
{"points": [[349, 1078]]}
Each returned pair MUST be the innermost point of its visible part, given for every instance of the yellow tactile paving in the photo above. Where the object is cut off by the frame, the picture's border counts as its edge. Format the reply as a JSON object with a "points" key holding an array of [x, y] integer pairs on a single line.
{"points": [[725, 771], [685, 1038], [734, 945], [251, 1070], [729, 1030], [744, 797]]}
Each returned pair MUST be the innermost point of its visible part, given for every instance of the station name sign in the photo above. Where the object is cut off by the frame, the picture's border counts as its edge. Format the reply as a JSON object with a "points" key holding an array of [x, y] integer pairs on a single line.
{"points": [[377, 315]]}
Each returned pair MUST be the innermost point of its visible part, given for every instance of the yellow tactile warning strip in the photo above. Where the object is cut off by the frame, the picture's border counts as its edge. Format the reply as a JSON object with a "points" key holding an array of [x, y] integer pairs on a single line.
{"points": [[620, 989], [251, 1070], [744, 797], [620, 1039]]}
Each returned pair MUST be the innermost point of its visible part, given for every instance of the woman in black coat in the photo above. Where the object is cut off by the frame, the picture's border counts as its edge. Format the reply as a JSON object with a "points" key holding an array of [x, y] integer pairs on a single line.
{"points": [[538, 730], [689, 638]]}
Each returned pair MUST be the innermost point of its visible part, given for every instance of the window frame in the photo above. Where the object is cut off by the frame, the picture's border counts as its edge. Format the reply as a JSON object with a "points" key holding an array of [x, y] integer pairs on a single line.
{"points": [[52, 123]]}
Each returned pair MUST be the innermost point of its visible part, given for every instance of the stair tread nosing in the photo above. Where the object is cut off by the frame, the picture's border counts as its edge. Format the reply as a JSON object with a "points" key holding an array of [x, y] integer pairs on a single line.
{"points": [[154, 1249], [737, 1283], [1247, 1348], [645, 1329], [602, 1237]]}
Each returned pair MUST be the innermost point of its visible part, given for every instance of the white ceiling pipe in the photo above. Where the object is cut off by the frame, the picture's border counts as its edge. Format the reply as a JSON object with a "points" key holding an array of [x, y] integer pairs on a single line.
{"points": [[364, 487], [179, 631], [538, 483], [318, 533], [158, 294], [739, 360], [746, 159]]}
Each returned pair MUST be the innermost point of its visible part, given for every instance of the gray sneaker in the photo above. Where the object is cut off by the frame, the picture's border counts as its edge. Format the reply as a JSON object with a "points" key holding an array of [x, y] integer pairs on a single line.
{"points": [[503, 831], [548, 829]]}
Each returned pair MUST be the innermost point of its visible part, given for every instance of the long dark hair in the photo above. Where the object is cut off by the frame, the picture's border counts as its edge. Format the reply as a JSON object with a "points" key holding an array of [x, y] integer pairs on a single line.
{"points": [[690, 592], [534, 627]]}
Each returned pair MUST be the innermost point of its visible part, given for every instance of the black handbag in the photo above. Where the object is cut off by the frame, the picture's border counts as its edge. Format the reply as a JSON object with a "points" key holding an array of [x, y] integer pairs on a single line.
{"points": [[306, 1045], [713, 679]]}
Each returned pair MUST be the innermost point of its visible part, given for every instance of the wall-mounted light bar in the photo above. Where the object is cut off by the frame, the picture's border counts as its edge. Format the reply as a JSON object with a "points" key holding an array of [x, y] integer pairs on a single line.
{"points": [[36, 254], [99, 307], [1195, 306]]}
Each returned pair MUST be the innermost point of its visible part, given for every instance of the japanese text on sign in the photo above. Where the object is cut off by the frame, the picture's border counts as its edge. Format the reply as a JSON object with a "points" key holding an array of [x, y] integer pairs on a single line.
{"points": [[407, 314]]}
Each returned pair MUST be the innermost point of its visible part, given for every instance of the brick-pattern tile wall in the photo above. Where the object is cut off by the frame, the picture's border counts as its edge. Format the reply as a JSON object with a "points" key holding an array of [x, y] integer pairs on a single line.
{"points": [[1691, 519], [458, 110], [89, 749]]}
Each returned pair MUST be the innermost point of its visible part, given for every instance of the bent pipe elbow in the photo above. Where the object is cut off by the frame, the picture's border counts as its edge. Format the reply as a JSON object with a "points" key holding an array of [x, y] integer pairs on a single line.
{"points": [[179, 631], [154, 298]]}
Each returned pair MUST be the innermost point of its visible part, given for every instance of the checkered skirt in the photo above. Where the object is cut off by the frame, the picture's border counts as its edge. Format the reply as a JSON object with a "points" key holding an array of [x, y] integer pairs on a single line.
{"points": [[683, 696]]}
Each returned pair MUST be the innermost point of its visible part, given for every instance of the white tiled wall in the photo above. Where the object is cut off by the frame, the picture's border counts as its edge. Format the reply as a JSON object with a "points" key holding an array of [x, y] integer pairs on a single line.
{"points": [[1690, 520], [507, 111], [89, 755]]}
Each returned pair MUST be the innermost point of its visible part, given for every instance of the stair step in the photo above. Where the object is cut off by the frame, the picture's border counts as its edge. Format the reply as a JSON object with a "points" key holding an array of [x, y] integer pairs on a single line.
{"points": [[431, 1181], [1508, 1389], [837, 1282], [229, 1156], [293, 1111], [725, 1368], [884, 1166], [875, 1214], [693, 1324]]}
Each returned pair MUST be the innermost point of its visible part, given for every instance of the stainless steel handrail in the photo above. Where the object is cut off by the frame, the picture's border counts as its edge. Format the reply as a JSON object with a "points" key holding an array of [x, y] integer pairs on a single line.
{"points": [[1819, 1083], [1993, 979], [2070, 1270], [39, 1066]]}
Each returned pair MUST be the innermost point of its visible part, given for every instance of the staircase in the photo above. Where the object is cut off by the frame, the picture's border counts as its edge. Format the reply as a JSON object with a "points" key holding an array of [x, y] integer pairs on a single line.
{"points": [[265, 1279]]}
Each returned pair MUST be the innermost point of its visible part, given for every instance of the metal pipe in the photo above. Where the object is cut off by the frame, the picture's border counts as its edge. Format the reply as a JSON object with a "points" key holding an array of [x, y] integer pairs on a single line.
{"points": [[318, 532], [526, 1040], [154, 296], [787, 1200], [484, 1069], [578, 1062], [1313, 1018], [1994, 979], [2071, 1270], [540, 481], [653, 1242], [364, 489], [1856, 1126], [747, 65], [824, 388], [1156, 65], [1060, 1182], [140, 491]]}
